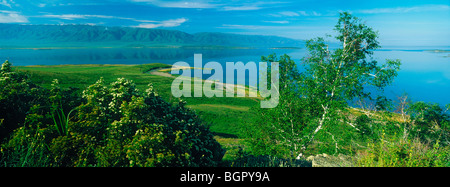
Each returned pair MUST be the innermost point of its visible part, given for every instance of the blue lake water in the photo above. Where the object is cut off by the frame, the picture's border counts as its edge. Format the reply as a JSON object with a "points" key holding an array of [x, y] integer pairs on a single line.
{"points": [[424, 75]]}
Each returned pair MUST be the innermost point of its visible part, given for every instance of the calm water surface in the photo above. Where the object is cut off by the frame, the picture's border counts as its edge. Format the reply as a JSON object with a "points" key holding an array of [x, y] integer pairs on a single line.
{"points": [[424, 75]]}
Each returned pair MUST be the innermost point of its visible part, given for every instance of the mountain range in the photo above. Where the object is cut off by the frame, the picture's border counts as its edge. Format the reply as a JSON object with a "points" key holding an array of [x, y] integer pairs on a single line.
{"points": [[15, 35]]}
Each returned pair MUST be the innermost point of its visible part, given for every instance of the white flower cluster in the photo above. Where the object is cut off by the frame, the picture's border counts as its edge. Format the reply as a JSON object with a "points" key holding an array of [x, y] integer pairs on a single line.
{"points": [[6, 67], [122, 90], [150, 91]]}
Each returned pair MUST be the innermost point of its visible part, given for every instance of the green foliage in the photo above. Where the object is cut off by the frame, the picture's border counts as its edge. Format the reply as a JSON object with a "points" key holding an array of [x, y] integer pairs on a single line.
{"points": [[363, 124], [26, 148], [332, 78], [421, 141], [243, 159], [115, 125], [429, 122], [17, 95], [149, 131], [277, 132], [6, 67], [222, 114], [403, 153], [61, 121], [312, 102]]}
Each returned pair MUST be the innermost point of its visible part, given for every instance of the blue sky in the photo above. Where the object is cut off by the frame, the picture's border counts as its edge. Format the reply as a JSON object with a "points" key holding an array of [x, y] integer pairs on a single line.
{"points": [[400, 23]]}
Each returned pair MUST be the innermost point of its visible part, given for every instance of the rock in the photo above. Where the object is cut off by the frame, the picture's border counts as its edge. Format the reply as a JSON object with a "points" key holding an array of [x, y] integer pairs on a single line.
{"points": [[324, 160]]}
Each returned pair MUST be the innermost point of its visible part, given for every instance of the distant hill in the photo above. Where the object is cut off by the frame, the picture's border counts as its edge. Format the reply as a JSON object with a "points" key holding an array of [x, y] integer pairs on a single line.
{"points": [[14, 35]]}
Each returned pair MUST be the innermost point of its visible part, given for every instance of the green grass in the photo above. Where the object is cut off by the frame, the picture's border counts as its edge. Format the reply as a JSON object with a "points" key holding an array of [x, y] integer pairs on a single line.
{"points": [[224, 115], [84, 75], [225, 120]]}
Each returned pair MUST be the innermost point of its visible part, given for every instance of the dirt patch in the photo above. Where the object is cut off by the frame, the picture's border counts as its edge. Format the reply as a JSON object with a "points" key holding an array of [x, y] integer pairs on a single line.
{"points": [[232, 107]]}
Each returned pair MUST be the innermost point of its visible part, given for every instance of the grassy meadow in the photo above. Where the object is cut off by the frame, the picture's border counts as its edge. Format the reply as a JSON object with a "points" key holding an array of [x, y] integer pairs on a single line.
{"points": [[225, 116], [228, 118]]}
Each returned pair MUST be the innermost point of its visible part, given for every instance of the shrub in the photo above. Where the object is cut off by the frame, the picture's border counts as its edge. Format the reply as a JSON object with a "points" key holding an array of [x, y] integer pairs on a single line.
{"points": [[115, 125], [26, 148], [138, 130], [429, 122], [403, 153], [244, 159], [363, 123], [17, 95]]}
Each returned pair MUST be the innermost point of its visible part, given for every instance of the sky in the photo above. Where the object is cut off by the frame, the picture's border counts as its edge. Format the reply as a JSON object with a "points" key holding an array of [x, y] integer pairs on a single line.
{"points": [[399, 23]]}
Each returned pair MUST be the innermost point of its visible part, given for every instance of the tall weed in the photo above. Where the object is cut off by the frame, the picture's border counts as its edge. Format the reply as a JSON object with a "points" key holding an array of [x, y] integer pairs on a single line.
{"points": [[403, 153]]}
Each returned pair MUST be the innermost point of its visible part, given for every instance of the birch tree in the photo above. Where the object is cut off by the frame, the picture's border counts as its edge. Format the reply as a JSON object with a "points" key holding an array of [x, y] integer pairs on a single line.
{"points": [[334, 77], [314, 97]]}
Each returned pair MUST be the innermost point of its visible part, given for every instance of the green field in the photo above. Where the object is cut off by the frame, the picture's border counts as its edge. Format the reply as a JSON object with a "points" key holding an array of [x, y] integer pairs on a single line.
{"points": [[225, 116], [229, 117]]}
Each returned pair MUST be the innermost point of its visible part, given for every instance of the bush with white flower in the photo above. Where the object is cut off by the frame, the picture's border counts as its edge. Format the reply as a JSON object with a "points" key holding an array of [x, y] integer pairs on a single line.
{"points": [[106, 125]]}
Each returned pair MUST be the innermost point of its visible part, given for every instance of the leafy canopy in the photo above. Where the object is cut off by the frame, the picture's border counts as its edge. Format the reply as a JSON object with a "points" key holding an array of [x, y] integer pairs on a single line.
{"points": [[313, 101]]}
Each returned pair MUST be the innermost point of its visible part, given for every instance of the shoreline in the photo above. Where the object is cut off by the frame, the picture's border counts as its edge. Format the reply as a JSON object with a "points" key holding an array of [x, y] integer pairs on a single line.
{"points": [[162, 72], [228, 87]]}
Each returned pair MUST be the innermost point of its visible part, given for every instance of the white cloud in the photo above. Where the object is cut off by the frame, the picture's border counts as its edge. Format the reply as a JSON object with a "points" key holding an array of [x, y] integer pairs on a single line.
{"points": [[179, 4], [288, 13], [424, 8], [166, 23], [245, 27], [289, 31], [280, 22], [233, 6], [303, 13], [80, 16], [263, 28], [277, 28], [243, 7], [182, 4], [5, 3], [314, 13], [66, 16], [12, 17], [87, 16], [224, 5], [295, 14]]}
